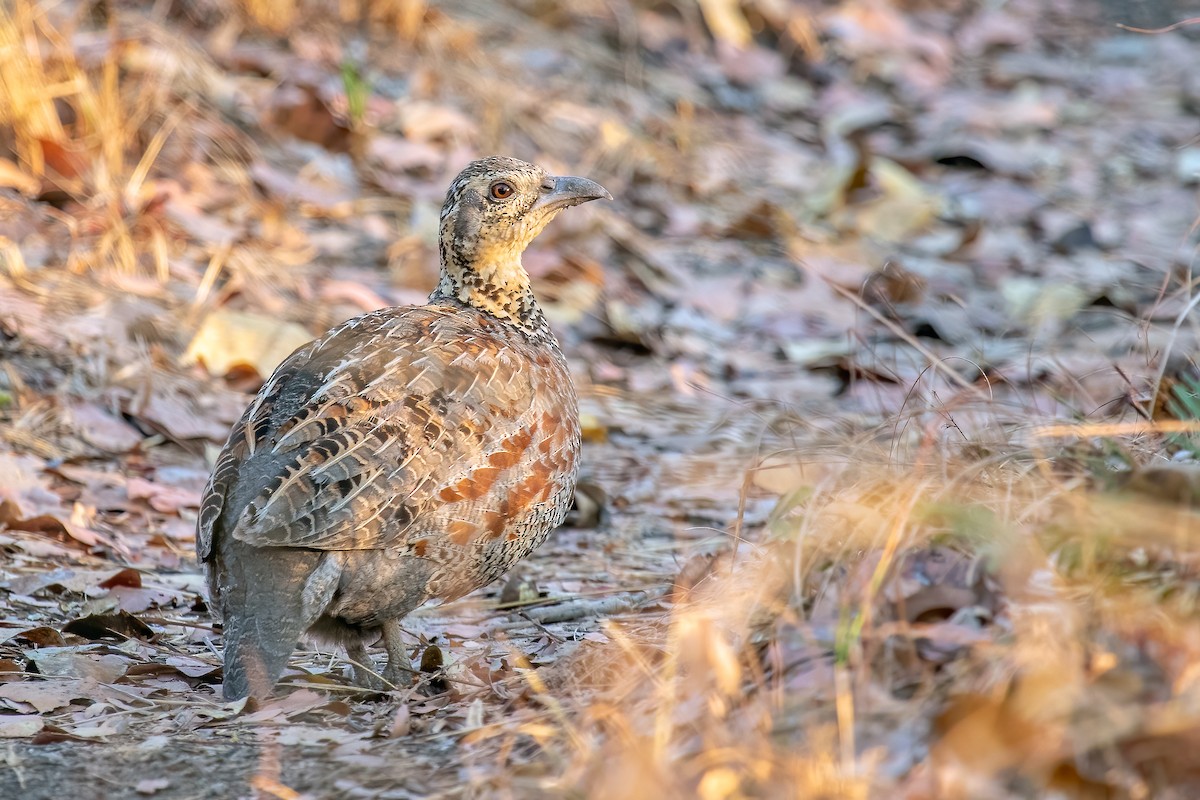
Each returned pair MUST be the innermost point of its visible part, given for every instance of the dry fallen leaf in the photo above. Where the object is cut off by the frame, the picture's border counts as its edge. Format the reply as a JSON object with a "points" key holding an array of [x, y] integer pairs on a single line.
{"points": [[79, 662], [27, 504], [904, 207], [43, 696], [101, 429], [21, 726], [783, 474], [119, 626], [228, 339], [167, 499]]}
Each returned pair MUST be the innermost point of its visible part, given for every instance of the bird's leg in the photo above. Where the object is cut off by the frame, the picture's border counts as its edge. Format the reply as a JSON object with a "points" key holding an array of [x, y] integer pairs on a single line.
{"points": [[399, 668], [364, 669]]}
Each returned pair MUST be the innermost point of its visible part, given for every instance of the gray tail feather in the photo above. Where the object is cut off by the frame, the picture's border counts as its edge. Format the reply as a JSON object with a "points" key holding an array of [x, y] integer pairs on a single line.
{"points": [[265, 611]]}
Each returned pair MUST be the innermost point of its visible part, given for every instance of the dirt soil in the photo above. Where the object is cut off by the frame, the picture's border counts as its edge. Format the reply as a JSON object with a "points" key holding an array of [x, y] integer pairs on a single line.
{"points": [[864, 256]]}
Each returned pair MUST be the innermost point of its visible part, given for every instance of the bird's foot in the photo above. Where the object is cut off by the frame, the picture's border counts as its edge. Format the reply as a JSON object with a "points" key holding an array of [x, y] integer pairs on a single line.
{"points": [[363, 669], [399, 671], [398, 675]]}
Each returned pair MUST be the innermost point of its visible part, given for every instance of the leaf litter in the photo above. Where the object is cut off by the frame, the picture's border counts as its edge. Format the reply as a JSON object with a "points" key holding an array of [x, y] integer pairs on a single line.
{"points": [[855, 520]]}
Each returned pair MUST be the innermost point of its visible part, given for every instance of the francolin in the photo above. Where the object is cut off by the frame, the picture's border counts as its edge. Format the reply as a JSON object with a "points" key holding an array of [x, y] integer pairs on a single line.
{"points": [[409, 454]]}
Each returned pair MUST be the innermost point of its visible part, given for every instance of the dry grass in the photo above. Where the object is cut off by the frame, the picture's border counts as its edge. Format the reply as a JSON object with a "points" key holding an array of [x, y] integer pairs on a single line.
{"points": [[90, 114], [952, 629]]}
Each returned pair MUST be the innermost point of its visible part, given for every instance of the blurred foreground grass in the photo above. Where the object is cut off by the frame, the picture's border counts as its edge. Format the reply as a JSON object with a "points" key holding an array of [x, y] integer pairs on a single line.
{"points": [[966, 628]]}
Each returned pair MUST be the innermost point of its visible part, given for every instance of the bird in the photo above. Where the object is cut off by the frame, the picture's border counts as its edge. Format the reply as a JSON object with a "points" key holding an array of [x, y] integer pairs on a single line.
{"points": [[409, 454]]}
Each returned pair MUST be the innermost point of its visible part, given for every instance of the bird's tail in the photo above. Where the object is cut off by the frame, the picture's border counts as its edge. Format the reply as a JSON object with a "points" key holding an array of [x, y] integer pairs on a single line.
{"points": [[269, 597]]}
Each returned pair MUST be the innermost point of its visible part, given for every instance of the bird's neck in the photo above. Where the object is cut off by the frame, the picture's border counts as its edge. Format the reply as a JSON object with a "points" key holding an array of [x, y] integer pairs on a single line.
{"points": [[499, 287]]}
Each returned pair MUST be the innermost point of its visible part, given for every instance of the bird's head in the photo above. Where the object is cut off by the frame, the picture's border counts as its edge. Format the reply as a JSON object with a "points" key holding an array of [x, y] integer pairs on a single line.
{"points": [[494, 209]]}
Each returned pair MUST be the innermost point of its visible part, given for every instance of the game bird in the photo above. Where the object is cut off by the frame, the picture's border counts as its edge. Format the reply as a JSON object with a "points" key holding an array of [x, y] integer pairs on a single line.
{"points": [[409, 454]]}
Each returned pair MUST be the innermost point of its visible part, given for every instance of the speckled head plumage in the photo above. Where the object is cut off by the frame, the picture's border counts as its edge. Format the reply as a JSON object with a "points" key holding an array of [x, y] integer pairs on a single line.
{"points": [[493, 210]]}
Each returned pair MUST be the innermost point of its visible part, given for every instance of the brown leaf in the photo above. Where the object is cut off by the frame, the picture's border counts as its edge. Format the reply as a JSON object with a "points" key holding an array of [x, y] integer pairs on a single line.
{"points": [[933, 583], [10, 670], [69, 161], [401, 722], [287, 186], [299, 110], [120, 626], [99, 489], [427, 122], [102, 430], [397, 154], [298, 702], [126, 577], [166, 499], [26, 504], [42, 636]]}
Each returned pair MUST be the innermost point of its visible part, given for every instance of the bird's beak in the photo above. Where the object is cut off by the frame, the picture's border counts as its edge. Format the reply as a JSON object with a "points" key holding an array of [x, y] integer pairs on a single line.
{"points": [[569, 191]]}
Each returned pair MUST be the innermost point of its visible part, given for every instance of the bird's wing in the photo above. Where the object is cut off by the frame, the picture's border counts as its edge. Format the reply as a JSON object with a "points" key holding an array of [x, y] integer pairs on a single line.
{"points": [[359, 435]]}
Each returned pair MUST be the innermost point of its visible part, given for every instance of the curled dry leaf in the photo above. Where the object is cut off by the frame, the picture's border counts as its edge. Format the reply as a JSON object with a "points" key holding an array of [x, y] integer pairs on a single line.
{"points": [[904, 206], [175, 411], [192, 667], [136, 600]]}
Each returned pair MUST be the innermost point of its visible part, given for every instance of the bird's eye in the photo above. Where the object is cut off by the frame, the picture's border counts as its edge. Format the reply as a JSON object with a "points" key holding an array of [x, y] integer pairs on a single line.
{"points": [[501, 190]]}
